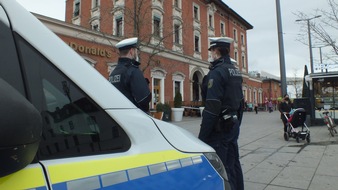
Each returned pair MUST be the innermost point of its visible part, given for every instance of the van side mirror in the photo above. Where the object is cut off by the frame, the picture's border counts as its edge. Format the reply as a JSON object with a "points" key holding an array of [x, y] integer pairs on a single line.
{"points": [[20, 130]]}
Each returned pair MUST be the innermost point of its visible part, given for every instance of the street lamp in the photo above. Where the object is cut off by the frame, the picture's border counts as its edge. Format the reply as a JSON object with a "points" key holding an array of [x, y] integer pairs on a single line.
{"points": [[320, 57], [309, 34], [281, 49]]}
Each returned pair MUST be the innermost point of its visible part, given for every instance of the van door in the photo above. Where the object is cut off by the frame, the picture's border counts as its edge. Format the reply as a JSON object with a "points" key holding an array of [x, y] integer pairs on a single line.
{"points": [[31, 177]]}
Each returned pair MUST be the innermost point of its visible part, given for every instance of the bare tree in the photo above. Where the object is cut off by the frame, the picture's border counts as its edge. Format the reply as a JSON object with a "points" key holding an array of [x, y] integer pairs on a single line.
{"points": [[296, 83], [138, 22], [324, 29]]}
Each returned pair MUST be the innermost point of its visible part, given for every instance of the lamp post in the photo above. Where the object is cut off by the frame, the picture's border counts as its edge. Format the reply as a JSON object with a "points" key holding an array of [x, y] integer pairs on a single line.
{"points": [[309, 35], [281, 49], [321, 57]]}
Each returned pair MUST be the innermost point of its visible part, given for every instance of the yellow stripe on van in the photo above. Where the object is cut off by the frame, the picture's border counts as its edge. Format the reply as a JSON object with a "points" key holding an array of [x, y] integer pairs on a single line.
{"points": [[75, 170], [27, 178]]}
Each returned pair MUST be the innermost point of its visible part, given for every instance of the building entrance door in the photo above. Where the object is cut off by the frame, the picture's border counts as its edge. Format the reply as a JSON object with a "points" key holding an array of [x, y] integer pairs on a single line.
{"points": [[196, 86], [156, 92]]}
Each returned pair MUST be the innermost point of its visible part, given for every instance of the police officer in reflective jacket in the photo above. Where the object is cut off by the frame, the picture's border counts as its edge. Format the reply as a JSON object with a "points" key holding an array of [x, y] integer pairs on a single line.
{"points": [[128, 78], [222, 115]]}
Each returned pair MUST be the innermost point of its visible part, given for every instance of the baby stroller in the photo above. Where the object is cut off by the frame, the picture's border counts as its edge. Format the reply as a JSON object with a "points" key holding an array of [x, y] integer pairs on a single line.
{"points": [[297, 119]]}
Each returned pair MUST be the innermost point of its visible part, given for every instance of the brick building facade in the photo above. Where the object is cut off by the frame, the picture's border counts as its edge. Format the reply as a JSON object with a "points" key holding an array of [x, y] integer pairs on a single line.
{"points": [[173, 40]]}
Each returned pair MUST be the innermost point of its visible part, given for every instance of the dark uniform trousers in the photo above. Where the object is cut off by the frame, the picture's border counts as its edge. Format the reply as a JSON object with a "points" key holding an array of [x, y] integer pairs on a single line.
{"points": [[228, 151]]}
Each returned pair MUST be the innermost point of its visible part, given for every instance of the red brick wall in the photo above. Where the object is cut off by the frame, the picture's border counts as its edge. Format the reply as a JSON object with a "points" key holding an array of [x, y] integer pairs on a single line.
{"points": [[106, 19], [271, 90], [169, 65], [69, 11], [106, 24]]}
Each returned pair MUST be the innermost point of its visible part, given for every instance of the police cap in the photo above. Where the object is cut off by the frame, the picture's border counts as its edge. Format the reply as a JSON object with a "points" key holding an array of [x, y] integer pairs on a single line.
{"points": [[220, 42], [127, 43]]}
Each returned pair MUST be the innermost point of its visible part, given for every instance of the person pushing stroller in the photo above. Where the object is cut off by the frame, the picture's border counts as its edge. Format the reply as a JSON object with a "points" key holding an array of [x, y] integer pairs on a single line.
{"points": [[284, 108]]}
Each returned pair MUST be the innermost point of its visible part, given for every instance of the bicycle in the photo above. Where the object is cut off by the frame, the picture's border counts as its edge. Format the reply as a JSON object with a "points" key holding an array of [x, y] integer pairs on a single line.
{"points": [[329, 122]]}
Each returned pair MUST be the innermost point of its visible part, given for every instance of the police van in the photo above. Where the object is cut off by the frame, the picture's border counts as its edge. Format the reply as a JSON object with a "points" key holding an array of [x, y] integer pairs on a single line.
{"points": [[64, 126]]}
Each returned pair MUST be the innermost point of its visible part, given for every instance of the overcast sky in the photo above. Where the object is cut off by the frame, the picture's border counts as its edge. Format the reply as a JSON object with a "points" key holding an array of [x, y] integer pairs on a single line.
{"points": [[263, 53], [263, 49]]}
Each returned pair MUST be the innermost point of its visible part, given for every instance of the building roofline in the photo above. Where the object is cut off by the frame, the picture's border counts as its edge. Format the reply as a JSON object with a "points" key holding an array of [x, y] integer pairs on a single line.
{"points": [[271, 79], [232, 13], [324, 75]]}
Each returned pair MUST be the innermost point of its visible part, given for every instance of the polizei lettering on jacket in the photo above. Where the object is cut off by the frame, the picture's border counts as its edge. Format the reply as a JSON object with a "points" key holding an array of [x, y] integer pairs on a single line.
{"points": [[115, 78], [234, 72]]}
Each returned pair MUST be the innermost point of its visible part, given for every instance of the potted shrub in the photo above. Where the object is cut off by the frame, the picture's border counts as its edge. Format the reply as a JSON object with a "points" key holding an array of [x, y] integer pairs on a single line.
{"points": [[159, 111], [166, 112], [177, 110]]}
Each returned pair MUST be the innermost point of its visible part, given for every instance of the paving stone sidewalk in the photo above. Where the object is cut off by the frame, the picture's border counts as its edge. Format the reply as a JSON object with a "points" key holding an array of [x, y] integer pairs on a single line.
{"points": [[271, 163]]}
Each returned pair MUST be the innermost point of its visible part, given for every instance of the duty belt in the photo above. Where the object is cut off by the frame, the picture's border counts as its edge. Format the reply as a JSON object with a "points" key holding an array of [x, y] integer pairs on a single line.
{"points": [[225, 117]]}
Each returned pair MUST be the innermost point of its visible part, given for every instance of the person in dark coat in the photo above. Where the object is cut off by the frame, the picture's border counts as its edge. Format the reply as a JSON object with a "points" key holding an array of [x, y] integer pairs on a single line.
{"points": [[256, 107], [284, 108], [128, 78], [222, 115]]}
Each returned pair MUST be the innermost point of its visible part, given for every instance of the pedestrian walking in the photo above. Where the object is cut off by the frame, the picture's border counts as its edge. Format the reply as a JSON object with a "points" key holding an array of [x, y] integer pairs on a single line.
{"points": [[128, 78], [270, 106], [256, 107], [222, 115], [266, 102]]}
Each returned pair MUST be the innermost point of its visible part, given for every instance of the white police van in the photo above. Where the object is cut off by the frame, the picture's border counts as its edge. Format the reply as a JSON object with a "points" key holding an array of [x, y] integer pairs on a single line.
{"points": [[64, 126]]}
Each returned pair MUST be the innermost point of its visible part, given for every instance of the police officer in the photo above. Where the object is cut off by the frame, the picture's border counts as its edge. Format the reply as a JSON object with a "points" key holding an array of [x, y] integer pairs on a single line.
{"points": [[222, 115], [128, 78]]}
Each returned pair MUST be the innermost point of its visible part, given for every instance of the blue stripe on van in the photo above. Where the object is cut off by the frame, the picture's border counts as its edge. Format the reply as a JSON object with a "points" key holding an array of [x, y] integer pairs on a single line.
{"points": [[193, 174], [40, 188]]}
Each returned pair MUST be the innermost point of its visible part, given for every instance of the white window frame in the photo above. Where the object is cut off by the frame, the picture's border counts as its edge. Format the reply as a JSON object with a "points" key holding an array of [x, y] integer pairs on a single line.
{"points": [[74, 3], [178, 77], [179, 23], [179, 4], [198, 12], [94, 4], [157, 73], [242, 39], [235, 34], [158, 18], [243, 60], [211, 22], [159, 14], [222, 28], [236, 55], [197, 34], [118, 17], [95, 22]]}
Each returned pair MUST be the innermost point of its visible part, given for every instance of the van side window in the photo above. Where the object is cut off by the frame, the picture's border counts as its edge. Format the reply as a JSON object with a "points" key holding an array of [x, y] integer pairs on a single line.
{"points": [[9, 63], [73, 124]]}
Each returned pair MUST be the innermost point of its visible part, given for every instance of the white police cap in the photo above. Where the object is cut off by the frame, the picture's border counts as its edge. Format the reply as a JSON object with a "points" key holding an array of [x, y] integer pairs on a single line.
{"points": [[127, 43], [220, 42]]}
